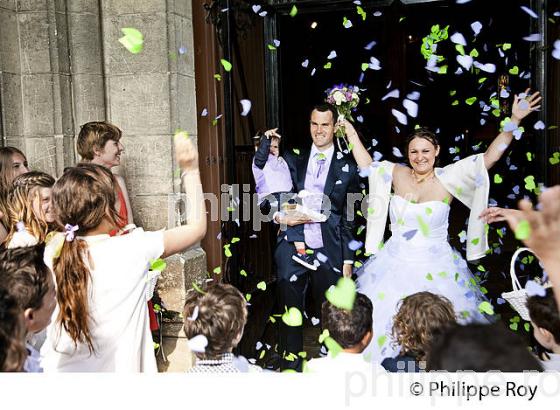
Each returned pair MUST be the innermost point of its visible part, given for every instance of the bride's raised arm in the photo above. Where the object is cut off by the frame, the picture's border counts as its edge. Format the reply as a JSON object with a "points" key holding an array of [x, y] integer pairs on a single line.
{"points": [[521, 108], [362, 157]]}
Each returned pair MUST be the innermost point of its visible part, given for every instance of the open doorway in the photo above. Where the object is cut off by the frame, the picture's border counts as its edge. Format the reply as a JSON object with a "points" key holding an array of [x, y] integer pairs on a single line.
{"points": [[318, 48]]}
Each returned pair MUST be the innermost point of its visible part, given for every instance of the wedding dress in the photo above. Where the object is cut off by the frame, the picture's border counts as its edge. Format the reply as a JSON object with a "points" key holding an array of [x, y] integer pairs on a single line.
{"points": [[417, 257]]}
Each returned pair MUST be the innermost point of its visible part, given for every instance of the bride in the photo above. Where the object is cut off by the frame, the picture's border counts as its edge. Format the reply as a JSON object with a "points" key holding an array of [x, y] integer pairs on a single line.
{"points": [[418, 256]]}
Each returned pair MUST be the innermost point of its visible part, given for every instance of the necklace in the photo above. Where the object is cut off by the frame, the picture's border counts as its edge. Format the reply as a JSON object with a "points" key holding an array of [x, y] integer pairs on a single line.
{"points": [[422, 179]]}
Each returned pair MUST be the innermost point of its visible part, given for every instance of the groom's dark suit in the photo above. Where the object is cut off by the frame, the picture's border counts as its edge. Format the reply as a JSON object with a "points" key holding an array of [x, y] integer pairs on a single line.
{"points": [[337, 232]]}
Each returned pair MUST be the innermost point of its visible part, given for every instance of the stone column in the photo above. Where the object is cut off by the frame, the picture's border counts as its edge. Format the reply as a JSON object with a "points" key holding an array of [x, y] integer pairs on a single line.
{"points": [[61, 65], [36, 96]]}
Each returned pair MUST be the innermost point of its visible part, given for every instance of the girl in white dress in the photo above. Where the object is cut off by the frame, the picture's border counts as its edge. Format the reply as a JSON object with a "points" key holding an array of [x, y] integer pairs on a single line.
{"points": [[101, 321], [418, 256]]}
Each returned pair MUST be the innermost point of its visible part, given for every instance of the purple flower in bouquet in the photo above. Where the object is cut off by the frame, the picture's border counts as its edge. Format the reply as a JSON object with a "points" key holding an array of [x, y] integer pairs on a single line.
{"points": [[345, 98]]}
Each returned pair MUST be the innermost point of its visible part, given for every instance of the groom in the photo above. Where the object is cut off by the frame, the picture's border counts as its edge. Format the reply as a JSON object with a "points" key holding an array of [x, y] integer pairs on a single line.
{"points": [[333, 177]]}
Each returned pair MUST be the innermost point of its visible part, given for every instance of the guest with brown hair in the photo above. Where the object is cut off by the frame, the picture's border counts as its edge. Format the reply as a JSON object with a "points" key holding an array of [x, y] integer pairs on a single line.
{"points": [[214, 322], [420, 318]]}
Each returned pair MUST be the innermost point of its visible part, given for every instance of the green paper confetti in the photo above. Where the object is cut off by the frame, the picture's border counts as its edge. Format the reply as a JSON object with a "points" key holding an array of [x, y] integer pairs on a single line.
{"points": [[428, 211], [271, 47], [235, 240], [296, 151], [227, 252], [514, 70], [424, 228], [555, 159], [429, 276], [474, 53], [226, 64], [248, 297], [529, 156], [506, 46], [217, 270], [133, 40], [498, 179], [486, 307], [530, 183], [527, 326], [197, 288], [292, 317], [343, 294], [261, 285], [243, 272], [324, 335], [333, 347], [523, 230], [381, 340], [327, 66], [470, 101], [361, 13], [513, 326], [475, 241], [218, 77], [293, 11], [158, 264], [365, 66]]}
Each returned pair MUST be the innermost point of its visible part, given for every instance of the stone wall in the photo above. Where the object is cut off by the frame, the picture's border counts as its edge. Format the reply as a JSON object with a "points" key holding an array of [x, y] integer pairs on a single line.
{"points": [[61, 65]]}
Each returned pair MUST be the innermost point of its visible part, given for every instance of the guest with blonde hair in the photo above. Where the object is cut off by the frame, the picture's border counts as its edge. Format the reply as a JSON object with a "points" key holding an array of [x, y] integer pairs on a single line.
{"points": [[12, 163]]}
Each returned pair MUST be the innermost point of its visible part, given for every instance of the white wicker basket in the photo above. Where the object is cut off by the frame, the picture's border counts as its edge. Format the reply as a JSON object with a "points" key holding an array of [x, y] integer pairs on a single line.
{"points": [[517, 298]]}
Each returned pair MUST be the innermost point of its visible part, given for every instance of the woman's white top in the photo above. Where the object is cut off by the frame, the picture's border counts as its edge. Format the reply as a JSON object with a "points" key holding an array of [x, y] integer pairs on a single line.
{"points": [[118, 307]]}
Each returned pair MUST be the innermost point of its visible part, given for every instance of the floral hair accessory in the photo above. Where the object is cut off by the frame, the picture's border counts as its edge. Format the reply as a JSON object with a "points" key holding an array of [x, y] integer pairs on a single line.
{"points": [[69, 231]]}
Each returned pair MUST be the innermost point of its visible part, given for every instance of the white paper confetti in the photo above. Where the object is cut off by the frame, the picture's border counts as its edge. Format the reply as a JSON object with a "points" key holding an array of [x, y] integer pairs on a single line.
{"points": [[370, 45], [401, 118], [198, 343], [411, 108], [246, 105], [529, 12], [533, 37], [458, 38], [466, 61], [391, 94], [488, 67], [476, 27]]}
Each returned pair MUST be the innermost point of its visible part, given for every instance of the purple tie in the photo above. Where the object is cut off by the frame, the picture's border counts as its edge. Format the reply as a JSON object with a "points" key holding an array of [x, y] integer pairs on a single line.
{"points": [[320, 159]]}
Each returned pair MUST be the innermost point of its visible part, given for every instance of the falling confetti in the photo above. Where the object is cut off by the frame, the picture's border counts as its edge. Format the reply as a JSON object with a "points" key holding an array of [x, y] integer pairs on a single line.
{"points": [[226, 64], [246, 107], [133, 40], [343, 294]]}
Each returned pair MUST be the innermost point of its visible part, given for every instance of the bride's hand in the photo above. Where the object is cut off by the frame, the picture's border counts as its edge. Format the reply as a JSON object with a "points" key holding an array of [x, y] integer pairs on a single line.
{"points": [[496, 214], [524, 106], [348, 128]]}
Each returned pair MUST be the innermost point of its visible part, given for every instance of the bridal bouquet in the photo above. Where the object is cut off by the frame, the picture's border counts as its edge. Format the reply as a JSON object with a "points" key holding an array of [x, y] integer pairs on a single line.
{"points": [[344, 98]]}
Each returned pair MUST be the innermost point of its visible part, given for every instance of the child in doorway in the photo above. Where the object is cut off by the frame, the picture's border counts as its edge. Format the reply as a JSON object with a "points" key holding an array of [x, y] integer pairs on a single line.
{"points": [[272, 177]]}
